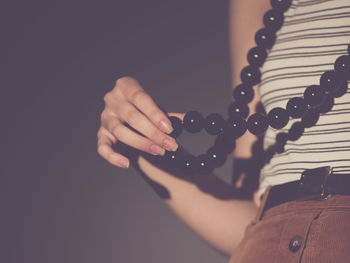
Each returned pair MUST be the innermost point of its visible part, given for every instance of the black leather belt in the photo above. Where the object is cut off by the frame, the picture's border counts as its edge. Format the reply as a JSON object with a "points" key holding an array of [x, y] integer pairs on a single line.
{"points": [[315, 183]]}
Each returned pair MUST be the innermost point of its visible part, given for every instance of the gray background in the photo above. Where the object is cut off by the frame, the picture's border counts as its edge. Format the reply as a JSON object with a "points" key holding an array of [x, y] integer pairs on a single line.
{"points": [[60, 201]]}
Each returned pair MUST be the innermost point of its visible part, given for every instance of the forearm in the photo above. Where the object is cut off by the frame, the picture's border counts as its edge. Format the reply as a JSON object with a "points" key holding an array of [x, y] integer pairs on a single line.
{"points": [[220, 222], [245, 19]]}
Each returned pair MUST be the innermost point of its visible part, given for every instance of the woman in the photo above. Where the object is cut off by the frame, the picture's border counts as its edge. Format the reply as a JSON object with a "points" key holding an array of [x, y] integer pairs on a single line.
{"points": [[275, 226]]}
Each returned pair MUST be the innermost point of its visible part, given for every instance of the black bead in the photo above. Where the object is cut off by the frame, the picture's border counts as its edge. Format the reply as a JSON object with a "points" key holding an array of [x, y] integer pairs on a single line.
{"points": [[265, 38], [214, 123], [250, 75], [193, 121], [279, 148], [281, 5], [310, 118], [296, 131], [341, 90], [238, 108], [235, 126], [326, 105], [314, 95], [342, 67], [205, 165], [273, 20], [278, 118], [296, 107], [243, 93], [331, 82], [177, 125], [217, 156], [257, 56], [174, 158], [257, 123], [189, 164], [225, 143], [281, 140]]}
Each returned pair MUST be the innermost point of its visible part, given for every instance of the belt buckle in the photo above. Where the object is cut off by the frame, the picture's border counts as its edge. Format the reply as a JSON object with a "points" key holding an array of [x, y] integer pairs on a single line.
{"points": [[313, 183]]}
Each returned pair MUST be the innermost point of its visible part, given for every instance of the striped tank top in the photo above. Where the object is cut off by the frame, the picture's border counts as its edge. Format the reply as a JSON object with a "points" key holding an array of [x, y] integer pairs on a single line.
{"points": [[313, 35]]}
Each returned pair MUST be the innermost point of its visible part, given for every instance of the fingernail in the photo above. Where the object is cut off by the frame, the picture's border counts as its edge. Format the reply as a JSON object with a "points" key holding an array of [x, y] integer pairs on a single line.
{"points": [[156, 150], [166, 127], [124, 163], [170, 145]]}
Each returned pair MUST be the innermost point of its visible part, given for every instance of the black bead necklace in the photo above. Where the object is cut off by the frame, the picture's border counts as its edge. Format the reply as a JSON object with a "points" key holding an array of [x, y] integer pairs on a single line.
{"points": [[317, 99]]}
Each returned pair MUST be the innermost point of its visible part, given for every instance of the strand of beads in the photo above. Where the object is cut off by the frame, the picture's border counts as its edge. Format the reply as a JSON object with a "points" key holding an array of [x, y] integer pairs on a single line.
{"points": [[317, 99], [333, 84], [234, 127]]}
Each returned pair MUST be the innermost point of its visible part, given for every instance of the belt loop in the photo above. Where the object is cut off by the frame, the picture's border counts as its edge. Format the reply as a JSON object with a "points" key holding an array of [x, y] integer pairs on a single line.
{"points": [[261, 209]]}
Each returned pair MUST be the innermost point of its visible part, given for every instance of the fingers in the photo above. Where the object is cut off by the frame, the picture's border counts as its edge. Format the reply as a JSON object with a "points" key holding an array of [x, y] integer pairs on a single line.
{"points": [[129, 104], [136, 95], [104, 148], [140, 123], [133, 139], [127, 136]]}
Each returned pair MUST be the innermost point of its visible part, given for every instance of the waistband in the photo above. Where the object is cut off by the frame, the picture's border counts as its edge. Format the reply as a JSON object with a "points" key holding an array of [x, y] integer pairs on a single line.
{"points": [[317, 184]]}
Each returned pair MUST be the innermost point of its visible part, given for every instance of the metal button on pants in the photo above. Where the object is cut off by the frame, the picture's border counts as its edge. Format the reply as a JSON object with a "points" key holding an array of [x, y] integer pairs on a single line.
{"points": [[295, 243]]}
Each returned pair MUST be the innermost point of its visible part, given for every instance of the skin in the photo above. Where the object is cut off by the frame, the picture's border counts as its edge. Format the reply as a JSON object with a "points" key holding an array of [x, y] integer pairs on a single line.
{"points": [[220, 222]]}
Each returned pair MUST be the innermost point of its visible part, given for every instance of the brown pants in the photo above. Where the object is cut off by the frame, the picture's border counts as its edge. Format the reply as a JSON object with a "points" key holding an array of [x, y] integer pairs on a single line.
{"points": [[298, 231]]}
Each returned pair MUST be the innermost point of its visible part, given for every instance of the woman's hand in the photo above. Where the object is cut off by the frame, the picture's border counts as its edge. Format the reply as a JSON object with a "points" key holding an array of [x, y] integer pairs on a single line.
{"points": [[129, 103]]}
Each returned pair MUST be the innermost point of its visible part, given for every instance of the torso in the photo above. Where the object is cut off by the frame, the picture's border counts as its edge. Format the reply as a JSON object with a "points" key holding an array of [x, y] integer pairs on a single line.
{"points": [[314, 34]]}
